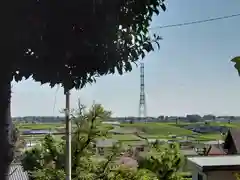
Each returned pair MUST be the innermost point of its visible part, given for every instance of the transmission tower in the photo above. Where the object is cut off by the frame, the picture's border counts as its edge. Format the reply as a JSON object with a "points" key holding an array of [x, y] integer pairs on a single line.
{"points": [[142, 101]]}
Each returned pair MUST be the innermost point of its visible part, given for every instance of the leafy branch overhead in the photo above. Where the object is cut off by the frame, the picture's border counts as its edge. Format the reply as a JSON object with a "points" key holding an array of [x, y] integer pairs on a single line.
{"points": [[73, 42], [236, 60]]}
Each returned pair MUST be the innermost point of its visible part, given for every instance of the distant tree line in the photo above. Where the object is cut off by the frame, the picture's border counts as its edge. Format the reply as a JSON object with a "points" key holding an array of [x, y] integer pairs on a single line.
{"points": [[161, 118]]}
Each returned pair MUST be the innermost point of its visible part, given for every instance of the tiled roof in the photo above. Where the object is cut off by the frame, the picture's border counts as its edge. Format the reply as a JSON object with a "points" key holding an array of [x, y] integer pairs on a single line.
{"points": [[17, 173], [215, 150], [235, 133]]}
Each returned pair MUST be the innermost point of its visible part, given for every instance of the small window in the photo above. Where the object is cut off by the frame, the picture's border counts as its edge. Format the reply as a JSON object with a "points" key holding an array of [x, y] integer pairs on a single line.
{"points": [[200, 177]]}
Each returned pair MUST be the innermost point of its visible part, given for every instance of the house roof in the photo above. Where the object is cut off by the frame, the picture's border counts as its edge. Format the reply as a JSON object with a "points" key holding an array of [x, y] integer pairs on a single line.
{"points": [[111, 122], [215, 150], [16, 172], [188, 152], [105, 142], [235, 134], [216, 163]]}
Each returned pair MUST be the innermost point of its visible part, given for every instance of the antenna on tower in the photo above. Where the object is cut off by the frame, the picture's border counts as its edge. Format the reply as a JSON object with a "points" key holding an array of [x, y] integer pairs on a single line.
{"points": [[142, 113]]}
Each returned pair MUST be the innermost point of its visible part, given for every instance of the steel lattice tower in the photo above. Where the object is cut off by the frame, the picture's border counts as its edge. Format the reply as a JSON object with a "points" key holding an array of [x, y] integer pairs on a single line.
{"points": [[142, 101]]}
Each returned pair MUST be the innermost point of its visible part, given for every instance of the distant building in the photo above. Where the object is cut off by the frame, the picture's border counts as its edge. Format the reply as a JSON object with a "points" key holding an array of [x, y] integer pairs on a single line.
{"points": [[103, 145], [37, 131], [114, 123]]}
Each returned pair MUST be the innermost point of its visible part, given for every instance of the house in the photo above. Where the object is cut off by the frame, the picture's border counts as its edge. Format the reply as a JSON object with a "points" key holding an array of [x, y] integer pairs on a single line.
{"points": [[214, 142], [188, 152], [215, 150], [103, 145], [214, 167], [232, 142], [16, 172], [140, 146], [113, 123]]}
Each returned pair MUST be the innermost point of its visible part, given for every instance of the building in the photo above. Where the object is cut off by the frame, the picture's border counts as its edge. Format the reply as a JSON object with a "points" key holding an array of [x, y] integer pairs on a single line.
{"points": [[230, 146], [104, 145], [188, 152], [214, 167], [113, 123], [232, 142], [215, 150]]}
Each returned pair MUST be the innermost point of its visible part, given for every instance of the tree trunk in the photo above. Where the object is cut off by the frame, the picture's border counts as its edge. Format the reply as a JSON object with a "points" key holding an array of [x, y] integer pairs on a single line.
{"points": [[6, 150]]}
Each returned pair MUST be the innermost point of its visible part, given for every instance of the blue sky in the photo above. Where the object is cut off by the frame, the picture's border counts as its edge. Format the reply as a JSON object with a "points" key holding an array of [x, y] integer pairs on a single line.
{"points": [[191, 73]]}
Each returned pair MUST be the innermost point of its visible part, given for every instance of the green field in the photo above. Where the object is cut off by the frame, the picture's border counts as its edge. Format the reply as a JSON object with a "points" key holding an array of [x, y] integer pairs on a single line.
{"points": [[165, 130], [42, 126], [149, 130]]}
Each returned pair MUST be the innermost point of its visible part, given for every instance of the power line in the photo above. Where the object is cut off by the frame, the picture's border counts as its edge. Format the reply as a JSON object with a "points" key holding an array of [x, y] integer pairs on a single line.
{"points": [[195, 22]]}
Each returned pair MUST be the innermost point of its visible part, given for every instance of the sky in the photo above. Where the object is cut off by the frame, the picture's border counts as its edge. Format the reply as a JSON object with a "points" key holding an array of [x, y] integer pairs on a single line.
{"points": [[190, 74]]}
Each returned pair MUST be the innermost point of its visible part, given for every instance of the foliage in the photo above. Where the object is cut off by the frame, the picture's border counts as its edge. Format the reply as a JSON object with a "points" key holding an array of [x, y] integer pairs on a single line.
{"points": [[46, 162], [236, 60], [70, 43], [17, 142], [73, 42], [163, 161], [237, 176]]}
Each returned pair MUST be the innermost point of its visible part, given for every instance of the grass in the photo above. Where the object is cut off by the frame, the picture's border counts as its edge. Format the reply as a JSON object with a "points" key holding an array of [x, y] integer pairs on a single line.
{"points": [[159, 130], [232, 125], [164, 130], [28, 126], [151, 130]]}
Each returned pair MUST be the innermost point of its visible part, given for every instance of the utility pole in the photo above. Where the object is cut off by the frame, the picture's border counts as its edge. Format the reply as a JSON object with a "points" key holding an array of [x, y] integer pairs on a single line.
{"points": [[68, 138]]}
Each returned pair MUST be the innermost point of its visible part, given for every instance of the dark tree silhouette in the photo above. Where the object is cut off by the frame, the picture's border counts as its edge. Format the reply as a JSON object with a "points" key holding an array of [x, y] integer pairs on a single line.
{"points": [[69, 43]]}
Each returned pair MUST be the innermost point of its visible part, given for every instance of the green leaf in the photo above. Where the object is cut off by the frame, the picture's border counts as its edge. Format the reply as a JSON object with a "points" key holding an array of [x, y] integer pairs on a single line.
{"points": [[236, 60], [163, 7]]}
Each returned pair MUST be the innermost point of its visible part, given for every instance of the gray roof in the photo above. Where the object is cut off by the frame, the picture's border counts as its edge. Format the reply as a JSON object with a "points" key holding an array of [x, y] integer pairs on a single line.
{"points": [[37, 131], [188, 152], [214, 142], [213, 163], [105, 142], [17, 173]]}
